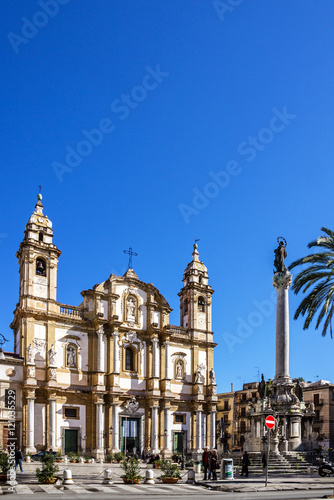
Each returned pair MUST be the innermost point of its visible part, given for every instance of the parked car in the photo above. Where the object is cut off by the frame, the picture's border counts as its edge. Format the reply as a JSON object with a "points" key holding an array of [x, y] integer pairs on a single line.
{"points": [[41, 454]]}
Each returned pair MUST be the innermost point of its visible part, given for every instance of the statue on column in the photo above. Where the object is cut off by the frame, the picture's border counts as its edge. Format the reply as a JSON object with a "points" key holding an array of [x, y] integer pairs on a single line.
{"points": [[262, 388], [299, 391], [212, 376], [280, 255]]}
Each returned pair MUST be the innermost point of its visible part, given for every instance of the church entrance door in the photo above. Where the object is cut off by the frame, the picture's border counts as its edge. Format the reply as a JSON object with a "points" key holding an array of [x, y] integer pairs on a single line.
{"points": [[130, 435], [71, 440], [179, 442]]}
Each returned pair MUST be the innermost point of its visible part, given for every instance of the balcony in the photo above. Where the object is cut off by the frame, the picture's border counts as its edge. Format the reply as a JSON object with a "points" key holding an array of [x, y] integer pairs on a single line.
{"points": [[177, 331], [70, 311]]}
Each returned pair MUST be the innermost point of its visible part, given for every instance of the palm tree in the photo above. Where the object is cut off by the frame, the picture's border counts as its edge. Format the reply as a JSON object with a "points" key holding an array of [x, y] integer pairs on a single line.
{"points": [[319, 277]]}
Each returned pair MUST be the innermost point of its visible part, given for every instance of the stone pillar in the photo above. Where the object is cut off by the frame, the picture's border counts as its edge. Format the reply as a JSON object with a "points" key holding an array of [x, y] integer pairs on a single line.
{"points": [[213, 429], [154, 432], [199, 431], [52, 423], [100, 352], [281, 282], [115, 426], [30, 448], [167, 368], [116, 353], [155, 367], [99, 430], [167, 431]]}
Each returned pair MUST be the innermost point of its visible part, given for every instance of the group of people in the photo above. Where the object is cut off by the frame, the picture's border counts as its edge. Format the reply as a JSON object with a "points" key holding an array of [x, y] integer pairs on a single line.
{"points": [[210, 464]]}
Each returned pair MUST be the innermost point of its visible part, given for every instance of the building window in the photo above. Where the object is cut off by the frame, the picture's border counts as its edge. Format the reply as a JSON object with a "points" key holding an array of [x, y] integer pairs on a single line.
{"points": [[243, 411], [186, 307], [40, 267], [316, 399], [71, 413], [10, 397], [40, 236], [179, 419], [129, 365], [201, 304], [226, 406], [242, 427], [200, 280], [243, 397], [71, 356]]}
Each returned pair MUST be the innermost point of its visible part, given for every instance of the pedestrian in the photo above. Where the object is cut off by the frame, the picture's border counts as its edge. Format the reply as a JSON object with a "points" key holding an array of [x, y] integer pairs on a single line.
{"points": [[264, 460], [214, 464], [19, 459], [206, 462], [245, 462]]}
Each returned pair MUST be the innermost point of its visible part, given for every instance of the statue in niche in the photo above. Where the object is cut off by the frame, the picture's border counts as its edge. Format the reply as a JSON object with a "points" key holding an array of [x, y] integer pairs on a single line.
{"points": [[131, 309], [30, 354], [212, 376], [262, 388], [299, 391], [52, 355], [179, 369], [280, 255], [71, 356]]}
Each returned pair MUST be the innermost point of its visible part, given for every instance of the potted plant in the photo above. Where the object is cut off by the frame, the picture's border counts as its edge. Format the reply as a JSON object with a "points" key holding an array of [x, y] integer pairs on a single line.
{"points": [[4, 467], [157, 464], [87, 459], [119, 456], [131, 471], [48, 474], [58, 457], [110, 458], [73, 457], [170, 472]]}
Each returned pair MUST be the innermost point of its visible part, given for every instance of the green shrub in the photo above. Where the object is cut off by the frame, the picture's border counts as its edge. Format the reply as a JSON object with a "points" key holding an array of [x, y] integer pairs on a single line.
{"points": [[169, 469], [131, 469], [4, 463], [119, 456], [49, 470]]}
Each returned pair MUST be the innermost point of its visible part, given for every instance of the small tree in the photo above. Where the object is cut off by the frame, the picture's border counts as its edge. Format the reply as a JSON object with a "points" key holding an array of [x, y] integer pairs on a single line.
{"points": [[131, 470], [49, 470], [4, 463], [169, 469]]}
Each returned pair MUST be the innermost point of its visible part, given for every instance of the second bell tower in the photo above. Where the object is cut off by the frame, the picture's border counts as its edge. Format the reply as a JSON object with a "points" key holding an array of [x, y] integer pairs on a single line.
{"points": [[195, 296]]}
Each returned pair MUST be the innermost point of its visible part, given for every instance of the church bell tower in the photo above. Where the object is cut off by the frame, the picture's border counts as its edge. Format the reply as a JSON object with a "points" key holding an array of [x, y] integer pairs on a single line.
{"points": [[38, 261], [195, 296]]}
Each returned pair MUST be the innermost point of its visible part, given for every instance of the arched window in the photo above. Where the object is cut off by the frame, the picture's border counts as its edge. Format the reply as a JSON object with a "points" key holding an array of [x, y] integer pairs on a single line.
{"points": [[186, 306], [40, 267], [40, 236], [129, 365], [201, 304]]}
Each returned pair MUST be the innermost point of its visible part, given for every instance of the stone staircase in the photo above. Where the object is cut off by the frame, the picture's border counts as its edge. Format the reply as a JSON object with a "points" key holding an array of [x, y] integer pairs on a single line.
{"points": [[285, 463]]}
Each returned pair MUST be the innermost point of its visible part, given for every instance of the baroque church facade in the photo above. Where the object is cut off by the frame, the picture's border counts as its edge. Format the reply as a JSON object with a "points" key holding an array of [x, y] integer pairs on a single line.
{"points": [[112, 374]]}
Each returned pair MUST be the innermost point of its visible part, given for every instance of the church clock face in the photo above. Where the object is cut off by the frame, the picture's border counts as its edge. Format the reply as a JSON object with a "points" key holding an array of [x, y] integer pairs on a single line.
{"points": [[41, 221]]}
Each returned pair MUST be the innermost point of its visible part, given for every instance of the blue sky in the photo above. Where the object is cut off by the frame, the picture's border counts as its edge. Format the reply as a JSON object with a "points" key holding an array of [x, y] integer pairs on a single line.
{"points": [[189, 119]]}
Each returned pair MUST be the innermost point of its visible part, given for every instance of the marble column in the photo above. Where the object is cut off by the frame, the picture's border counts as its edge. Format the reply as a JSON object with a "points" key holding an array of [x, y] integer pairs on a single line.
{"points": [[30, 425], [99, 430], [167, 367], [282, 282], [199, 431], [115, 426], [154, 431], [213, 429], [52, 424], [167, 430], [116, 353], [100, 351], [155, 367]]}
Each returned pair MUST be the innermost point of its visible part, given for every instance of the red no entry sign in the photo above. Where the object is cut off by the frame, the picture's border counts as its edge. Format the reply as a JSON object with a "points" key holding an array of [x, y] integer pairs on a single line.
{"points": [[270, 422]]}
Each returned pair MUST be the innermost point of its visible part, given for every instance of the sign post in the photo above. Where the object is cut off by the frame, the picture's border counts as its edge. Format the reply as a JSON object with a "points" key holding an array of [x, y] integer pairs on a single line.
{"points": [[270, 424]]}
